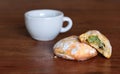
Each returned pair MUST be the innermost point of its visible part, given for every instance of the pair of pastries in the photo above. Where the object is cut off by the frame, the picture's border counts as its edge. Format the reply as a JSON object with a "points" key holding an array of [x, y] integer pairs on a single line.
{"points": [[83, 47]]}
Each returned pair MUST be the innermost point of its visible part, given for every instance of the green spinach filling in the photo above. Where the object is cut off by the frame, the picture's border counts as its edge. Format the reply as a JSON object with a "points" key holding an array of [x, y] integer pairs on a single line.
{"points": [[94, 39]]}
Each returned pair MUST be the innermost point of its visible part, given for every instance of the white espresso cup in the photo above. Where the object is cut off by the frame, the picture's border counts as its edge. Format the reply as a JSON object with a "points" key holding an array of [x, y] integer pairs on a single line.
{"points": [[46, 24]]}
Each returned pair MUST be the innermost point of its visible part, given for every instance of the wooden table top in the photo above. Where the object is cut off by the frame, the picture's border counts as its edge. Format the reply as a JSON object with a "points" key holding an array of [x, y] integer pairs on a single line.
{"points": [[20, 54]]}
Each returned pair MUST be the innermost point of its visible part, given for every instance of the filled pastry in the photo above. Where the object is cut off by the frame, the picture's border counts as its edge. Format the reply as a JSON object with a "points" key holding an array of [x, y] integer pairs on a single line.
{"points": [[98, 41], [71, 48]]}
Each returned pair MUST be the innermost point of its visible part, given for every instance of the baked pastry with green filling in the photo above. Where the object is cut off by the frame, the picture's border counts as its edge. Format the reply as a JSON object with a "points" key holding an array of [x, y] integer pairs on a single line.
{"points": [[98, 41]]}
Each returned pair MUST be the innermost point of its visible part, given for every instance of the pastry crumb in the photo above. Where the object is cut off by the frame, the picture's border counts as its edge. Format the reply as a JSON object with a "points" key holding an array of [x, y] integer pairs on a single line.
{"points": [[55, 57]]}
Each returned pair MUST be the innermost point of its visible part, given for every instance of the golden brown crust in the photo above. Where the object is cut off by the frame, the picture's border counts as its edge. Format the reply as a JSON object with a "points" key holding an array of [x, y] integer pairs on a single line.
{"points": [[71, 48], [106, 51]]}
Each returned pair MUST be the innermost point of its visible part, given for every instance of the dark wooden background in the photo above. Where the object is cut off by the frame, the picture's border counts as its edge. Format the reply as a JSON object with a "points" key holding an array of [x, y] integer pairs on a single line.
{"points": [[20, 54]]}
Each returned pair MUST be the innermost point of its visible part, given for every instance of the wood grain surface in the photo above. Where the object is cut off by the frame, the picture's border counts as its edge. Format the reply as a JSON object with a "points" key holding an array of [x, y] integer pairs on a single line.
{"points": [[20, 54]]}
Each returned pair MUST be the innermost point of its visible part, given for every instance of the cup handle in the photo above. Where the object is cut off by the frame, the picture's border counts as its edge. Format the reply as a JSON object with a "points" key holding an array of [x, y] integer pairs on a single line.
{"points": [[69, 25]]}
